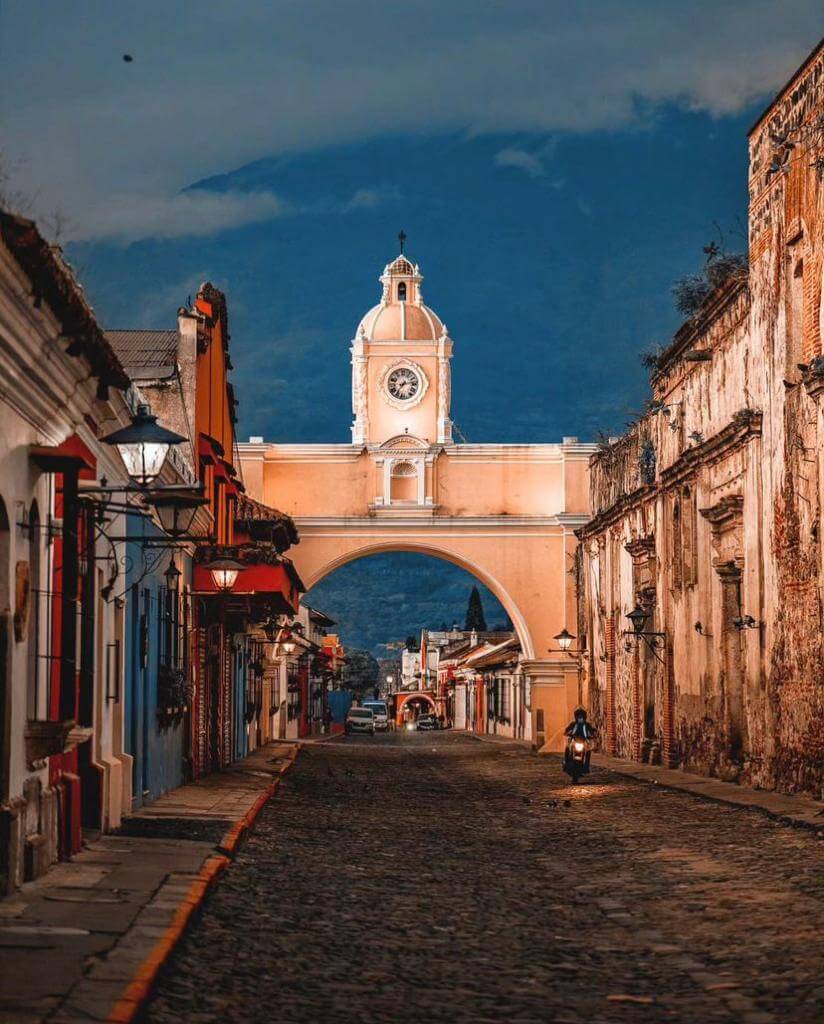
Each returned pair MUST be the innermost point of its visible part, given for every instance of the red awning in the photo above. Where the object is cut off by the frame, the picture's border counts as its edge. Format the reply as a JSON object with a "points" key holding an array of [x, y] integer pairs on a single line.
{"points": [[71, 454], [260, 580]]}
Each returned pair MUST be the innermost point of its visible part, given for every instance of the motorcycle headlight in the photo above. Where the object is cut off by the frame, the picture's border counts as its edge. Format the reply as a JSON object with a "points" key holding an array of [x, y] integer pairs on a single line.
{"points": [[578, 747]]}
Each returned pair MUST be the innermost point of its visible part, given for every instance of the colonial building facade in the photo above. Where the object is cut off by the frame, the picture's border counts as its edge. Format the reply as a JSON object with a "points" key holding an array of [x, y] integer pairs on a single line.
{"points": [[128, 662], [708, 512]]}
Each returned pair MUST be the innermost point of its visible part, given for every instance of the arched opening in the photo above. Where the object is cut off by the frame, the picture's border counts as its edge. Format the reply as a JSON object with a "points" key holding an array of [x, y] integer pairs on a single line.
{"points": [[402, 291], [410, 706], [403, 485], [5, 626], [501, 605]]}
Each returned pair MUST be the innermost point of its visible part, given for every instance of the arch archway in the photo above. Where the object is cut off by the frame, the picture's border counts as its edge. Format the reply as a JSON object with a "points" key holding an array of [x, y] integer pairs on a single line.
{"points": [[312, 576]]}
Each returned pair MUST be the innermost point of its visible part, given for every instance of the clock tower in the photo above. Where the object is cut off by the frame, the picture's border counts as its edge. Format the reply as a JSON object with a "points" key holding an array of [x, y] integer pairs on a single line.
{"points": [[400, 366]]}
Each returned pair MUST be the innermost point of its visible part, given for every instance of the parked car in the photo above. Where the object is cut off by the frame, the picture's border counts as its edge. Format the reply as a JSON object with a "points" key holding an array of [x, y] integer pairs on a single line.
{"points": [[380, 710], [360, 720], [427, 722]]}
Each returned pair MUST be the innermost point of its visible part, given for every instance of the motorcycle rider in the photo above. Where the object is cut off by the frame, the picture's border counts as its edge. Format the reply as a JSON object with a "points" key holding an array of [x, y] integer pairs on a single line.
{"points": [[578, 729]]}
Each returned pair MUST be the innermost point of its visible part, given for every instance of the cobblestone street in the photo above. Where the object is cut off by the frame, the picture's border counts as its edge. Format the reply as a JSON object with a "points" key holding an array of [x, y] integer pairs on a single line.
{"points": [[417, 877]]}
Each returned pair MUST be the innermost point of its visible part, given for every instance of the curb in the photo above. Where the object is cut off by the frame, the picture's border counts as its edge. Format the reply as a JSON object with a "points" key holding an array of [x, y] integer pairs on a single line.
{"points": [[138, 990], [782, 816]]}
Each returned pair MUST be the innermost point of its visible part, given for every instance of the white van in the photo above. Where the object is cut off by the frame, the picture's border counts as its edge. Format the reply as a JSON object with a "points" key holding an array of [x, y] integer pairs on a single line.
{"points": [[380, 711]]}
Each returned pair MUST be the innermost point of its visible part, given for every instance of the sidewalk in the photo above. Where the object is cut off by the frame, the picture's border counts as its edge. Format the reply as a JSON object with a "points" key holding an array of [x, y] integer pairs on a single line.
{"points": [[792, 810], [800, 811], [108, 919]]}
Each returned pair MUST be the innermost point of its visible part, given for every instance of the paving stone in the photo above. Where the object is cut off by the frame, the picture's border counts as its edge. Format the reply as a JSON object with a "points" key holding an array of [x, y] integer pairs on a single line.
{"points": [[405, 879]]}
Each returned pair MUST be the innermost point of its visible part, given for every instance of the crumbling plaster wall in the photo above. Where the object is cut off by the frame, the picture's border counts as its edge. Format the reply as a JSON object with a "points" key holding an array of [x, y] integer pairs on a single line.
{"points": [[733, 503]]}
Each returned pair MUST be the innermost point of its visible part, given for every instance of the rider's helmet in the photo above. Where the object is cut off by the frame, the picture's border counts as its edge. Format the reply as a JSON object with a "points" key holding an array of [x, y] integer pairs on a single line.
{"points": [[580, 715]]}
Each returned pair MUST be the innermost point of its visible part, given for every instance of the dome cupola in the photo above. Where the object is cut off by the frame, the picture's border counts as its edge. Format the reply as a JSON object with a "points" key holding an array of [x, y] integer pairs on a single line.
{"points": [[401, 314]]}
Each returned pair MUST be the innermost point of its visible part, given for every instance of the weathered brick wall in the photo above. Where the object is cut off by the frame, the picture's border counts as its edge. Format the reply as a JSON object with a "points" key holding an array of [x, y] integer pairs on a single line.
{"points": [[787, 219]]}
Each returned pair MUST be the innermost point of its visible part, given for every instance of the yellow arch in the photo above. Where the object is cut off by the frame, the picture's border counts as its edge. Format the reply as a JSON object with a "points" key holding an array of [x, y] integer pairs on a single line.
{"points": [[396, 544]]}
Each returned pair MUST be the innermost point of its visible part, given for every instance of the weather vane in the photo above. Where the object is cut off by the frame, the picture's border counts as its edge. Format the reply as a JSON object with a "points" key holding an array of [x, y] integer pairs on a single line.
{"points": [[401, 239]]}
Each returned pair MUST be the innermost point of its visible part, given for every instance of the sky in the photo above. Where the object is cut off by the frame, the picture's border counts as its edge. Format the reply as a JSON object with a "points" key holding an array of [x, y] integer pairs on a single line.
{"points": [[555, 167]]}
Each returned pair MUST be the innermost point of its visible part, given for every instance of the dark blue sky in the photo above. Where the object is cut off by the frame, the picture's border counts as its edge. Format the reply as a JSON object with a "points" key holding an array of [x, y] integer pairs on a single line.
{"points": [[552, 276], [555, 166]]}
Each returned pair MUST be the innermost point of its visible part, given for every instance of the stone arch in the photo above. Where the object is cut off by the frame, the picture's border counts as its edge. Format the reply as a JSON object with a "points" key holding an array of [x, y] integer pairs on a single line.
{"points": [[391, 544]]}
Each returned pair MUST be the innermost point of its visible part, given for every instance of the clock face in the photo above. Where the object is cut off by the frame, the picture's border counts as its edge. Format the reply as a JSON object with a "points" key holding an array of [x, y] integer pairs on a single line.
{"points": [[403, 384]]}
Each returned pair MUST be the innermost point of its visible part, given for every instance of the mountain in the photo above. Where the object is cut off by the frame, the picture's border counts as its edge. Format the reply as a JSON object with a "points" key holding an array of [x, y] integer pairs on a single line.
{"points": [[384, 598]]}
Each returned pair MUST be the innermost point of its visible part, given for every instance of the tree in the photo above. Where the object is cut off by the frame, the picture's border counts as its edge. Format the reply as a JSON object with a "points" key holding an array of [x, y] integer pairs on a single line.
{"points": [[475, 613], [411, 643], [360, 671]]}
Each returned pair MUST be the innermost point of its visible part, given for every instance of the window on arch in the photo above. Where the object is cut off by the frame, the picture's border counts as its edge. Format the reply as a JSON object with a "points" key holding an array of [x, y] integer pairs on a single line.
{"points": [[402, 292], [404, 482]]}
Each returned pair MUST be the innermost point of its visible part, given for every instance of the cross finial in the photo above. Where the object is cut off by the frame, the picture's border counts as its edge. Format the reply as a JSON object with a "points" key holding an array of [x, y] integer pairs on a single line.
{"points": [[401, 239]]}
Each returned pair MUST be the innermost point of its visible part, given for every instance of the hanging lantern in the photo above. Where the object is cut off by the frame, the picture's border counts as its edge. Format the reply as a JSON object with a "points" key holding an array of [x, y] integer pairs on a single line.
{"points": [[143, 446], [638, 619], [224, 572], [172, 576], [177, 509]]}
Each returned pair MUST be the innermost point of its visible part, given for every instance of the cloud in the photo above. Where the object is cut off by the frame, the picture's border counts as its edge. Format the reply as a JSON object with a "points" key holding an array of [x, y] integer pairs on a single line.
{"points": [[196, 213], [215, 86], [368, 198], [519, 158]]}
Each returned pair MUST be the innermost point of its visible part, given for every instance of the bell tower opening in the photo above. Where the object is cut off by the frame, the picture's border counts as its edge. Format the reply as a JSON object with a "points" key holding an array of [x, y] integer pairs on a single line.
{"points": [[401, 357]]}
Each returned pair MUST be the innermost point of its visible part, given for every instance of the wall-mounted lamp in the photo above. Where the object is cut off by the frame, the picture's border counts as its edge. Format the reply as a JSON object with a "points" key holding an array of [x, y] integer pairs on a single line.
{"points": [[143, 446], [638, 619], [564, 640], [745, 622], [177, 509], [172, 576], [699, 629], [224, 572]]}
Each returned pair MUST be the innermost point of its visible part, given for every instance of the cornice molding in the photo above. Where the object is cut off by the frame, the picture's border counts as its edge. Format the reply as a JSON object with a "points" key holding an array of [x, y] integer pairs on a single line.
{"points": [[449, 523], [742, 428]]}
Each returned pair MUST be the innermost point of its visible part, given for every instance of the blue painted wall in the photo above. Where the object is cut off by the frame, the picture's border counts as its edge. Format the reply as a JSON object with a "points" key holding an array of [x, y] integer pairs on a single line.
{"points": [[158, 751]]}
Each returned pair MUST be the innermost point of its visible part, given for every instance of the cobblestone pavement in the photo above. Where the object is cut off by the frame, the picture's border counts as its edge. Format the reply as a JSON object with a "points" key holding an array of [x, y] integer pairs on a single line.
{"points": [[434, 878]]}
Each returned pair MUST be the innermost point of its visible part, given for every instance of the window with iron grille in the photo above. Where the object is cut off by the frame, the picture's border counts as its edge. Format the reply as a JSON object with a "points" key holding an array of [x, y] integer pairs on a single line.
{"points": [[505, 704], [172, 616]]}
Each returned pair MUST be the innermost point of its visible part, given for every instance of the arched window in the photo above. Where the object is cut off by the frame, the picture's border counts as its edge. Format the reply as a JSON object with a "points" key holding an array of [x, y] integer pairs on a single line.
{"points": [[404, 482], [402, 292]]}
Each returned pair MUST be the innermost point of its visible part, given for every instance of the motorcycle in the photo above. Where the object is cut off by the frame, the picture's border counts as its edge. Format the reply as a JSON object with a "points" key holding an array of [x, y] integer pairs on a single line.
{"points": [[576, 761]]}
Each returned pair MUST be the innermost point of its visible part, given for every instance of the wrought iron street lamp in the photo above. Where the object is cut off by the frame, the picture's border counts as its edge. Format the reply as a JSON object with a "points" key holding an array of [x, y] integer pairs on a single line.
{"points": [[638, 619], [172, 576], [177, 509], [224, 572], [564, 639], [143, 446]]}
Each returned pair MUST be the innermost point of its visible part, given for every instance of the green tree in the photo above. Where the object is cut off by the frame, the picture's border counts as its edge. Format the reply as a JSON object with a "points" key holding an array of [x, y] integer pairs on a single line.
{"points": [[360, 672], [475, 613]]}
